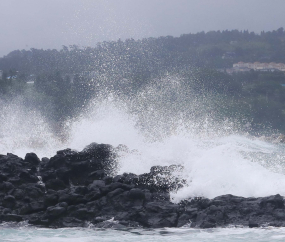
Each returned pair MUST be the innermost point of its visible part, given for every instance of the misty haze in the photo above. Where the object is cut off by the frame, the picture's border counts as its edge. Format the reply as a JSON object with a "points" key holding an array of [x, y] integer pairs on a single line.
{"points": [[127, 120]]}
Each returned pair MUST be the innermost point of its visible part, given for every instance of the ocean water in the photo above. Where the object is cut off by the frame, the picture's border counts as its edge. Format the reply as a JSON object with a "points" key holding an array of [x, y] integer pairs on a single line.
{"points": [[218, 158], [131, 235]]}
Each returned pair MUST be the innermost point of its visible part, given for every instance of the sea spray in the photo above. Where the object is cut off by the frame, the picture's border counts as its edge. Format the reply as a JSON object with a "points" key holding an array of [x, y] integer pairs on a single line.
{"points": [[161, 125], [25, 129]]}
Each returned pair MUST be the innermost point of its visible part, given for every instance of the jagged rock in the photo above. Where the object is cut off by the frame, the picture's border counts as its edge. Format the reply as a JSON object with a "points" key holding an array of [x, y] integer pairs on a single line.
{"points": [[96, 185], [81, 190], [32, 158], [70, 198], [9, 201], [51, 199], [55, 184], [80, 187], [136, 194], [10, 218], [276, 201], [252, 224], [162, 178], [93, 195], [3, 178], [55, 212], [25, 176], [32, 208], [183, 220], [6, 186]]}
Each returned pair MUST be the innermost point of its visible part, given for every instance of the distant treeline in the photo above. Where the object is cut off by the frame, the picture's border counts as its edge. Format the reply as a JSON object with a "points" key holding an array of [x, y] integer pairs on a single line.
{"points": [[65, 80], [153, 54]]}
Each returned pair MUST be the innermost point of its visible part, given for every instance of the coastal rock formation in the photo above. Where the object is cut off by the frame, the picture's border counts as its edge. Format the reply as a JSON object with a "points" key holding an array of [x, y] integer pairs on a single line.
{"points": [[74, 189]]}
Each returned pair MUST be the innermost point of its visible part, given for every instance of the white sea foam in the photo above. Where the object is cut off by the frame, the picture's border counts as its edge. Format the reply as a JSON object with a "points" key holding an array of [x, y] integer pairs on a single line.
{"points": [[216, 159], [24, 130], [130, 235]]}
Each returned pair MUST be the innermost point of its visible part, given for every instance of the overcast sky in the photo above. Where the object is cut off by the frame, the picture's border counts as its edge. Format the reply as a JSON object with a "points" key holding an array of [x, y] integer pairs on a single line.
{"points": [[26, 24]]}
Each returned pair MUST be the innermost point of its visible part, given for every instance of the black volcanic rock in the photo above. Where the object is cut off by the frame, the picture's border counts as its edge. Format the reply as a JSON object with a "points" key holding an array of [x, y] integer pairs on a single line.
{"points": [[80, 168], [81, 187], [32, 158]]}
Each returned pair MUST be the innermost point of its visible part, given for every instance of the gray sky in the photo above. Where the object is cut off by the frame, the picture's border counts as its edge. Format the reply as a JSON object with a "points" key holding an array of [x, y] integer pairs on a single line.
{"points": [[26, 24]]}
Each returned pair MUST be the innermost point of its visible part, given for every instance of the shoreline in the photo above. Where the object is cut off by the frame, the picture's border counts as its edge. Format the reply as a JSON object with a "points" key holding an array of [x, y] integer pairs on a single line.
{"points": [[75, 188]]}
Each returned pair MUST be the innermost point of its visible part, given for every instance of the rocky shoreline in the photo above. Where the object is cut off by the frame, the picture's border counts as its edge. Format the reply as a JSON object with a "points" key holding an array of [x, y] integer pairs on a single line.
{"points": [[73, 189]]}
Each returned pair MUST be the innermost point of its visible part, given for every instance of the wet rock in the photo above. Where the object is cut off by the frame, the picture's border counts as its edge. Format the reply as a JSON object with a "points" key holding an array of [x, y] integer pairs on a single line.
{"points": [[32, 208], [56, 162], [48, 175], [82, 214], [69, 198], [113, 186], [82, 190], [45, 160], [33, 190], [6, 186], [136, 194], [252, 224], [63, 174], [204, 203], [55, 184], [79, 167], [108, 180], [81, 187], [25, 176], [10, 218], [279, 214], [103, 153], [97, 184], [99, 174], [51, 200], [277, 201], [71, 222], [110, 224], [131, 178], [162, 220], [208, 224], [6, 211], [9, 201], [32, 158], [93, 195], [116, 192], [183, 220], [54, 212], [3, 178], [164, 207], [119, 178], [34, 220], [162, 178]]}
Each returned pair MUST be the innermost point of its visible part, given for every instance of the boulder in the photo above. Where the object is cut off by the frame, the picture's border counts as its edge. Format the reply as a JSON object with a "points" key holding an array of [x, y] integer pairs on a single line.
{"points": [[82, 187]]}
